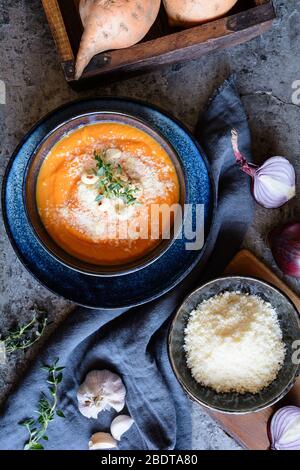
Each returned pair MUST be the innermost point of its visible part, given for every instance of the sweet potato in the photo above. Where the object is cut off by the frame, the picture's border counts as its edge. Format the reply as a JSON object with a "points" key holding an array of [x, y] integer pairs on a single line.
{"points": [[193, 12], [113, 24]]}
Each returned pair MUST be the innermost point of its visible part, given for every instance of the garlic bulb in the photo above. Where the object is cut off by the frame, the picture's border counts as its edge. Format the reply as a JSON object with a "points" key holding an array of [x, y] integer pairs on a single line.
{"points": [[100, 391], [273, 183], [102, 441], [120, 425], [285, 429]]}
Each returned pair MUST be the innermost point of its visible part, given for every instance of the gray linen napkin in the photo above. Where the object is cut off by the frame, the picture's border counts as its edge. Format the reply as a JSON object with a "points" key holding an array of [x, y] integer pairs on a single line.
{"points": [[134, 344]]}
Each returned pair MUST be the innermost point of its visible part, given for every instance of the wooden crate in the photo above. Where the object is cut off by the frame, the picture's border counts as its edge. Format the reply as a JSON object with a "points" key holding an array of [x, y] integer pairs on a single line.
{"points": [[163, 45]]}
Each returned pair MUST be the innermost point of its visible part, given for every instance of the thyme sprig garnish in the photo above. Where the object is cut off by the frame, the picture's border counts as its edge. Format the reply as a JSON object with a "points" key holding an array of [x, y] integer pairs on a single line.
{"points": [[23, 337], [47, 409], [110, 184]]}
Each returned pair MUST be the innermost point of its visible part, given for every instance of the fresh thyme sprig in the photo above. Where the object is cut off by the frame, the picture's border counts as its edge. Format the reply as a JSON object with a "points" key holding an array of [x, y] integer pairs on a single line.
{"points": [[25, 336], [47, 409], [110, 185]]}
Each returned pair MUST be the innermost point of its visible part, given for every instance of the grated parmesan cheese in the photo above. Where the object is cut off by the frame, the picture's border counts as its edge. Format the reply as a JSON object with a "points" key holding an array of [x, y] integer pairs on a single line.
{"points": [[99, 221], [233, 343]]}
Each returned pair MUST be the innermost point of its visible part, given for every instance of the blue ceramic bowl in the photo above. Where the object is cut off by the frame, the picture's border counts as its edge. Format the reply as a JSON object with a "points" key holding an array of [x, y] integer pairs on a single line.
{"points": [[30, 181], [234, 402], [107, 292]]}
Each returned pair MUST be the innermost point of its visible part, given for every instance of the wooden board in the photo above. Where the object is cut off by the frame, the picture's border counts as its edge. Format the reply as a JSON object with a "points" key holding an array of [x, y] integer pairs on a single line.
{"points": [[162, 45], [251, 430]]}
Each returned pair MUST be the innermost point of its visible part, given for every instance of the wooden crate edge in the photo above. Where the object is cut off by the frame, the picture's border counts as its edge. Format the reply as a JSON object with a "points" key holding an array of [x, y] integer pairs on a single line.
{"points": [[144, 56], [58, 30], [234, 25]]}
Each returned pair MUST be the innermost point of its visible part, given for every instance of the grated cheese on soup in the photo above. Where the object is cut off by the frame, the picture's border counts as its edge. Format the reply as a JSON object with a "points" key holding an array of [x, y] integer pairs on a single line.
{"points": [[96, 220], [233, 343]]}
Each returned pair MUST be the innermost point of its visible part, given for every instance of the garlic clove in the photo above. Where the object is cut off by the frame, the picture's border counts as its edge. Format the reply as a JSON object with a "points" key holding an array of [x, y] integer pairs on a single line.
{"points": [[102, 441], [89, 179], [101, 390], [120, 425], [117, 404], [113, 154]]}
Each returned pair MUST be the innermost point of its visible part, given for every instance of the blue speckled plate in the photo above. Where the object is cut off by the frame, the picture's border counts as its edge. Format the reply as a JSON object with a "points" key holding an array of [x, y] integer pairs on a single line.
{"points": [[98, 292]]}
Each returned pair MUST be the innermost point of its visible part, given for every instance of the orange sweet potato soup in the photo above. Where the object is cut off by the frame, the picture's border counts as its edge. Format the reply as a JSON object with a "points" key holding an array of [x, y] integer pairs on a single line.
{"points": [[95, 191]]}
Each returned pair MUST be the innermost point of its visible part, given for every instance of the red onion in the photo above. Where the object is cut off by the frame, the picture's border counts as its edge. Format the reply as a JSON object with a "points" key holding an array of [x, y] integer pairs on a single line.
{"points": [[285, 429], [285, 246], [273, 183]]}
